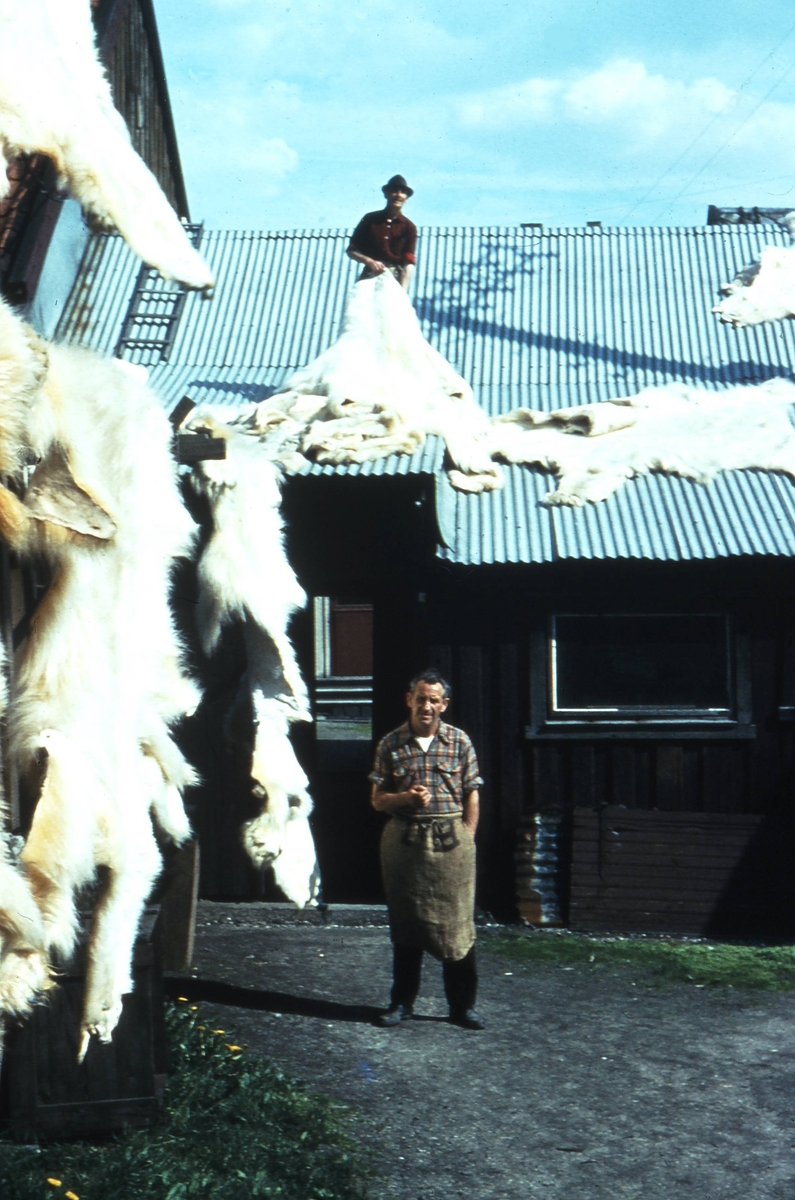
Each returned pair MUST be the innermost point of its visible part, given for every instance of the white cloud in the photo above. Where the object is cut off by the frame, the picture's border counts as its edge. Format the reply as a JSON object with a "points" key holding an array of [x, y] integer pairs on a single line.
{"points": [[272, 156], [519, 103], [622, 92]]}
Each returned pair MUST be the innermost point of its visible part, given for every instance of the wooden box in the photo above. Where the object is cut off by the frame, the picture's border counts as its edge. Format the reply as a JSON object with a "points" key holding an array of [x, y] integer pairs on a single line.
{"points": [[45, 1092]]}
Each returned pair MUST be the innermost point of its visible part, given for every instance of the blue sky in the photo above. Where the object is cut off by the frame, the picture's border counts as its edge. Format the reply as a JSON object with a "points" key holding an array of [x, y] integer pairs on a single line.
{"points": [[292, 113]]}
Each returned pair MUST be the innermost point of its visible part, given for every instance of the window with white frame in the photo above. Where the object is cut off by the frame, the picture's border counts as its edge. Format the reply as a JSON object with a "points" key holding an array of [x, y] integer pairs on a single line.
{"points": [[641, 667]]}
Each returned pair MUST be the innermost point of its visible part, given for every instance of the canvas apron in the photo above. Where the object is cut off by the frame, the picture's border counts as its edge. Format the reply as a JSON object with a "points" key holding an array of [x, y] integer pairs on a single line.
{"points": [[428, 868]]}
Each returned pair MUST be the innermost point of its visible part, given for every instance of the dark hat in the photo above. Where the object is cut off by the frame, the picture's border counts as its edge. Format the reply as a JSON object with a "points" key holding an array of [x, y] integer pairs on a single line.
{"points": [[397, 183]]}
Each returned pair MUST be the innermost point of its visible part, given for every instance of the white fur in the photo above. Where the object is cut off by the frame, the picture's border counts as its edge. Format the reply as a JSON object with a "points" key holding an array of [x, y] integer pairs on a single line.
{"points": [[594, 449], [379, 390], [764, 291], [244, 574], [55, 100], [24, 971], [100, 679]]}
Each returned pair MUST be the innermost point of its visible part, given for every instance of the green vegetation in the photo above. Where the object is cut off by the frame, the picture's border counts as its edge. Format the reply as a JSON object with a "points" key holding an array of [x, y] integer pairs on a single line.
{"points": [[656, 959], [234, 1128]]}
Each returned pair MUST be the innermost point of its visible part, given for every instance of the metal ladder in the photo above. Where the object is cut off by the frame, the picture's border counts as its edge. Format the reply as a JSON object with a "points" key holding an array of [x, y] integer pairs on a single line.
{"points": [[150, 324]]}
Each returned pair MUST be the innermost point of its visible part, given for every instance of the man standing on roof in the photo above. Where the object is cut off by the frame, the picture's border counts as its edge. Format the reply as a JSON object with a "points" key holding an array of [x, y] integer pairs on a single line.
{"points": [[426, 778], [386, 240]]}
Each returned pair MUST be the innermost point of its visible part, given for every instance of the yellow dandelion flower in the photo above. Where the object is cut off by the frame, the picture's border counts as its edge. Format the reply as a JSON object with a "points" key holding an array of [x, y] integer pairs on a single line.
{"points": [[201, 1026], [233, 1048], [71, 1196], [54, 1182], [182, 999], [219, 1031], [194, 1008]]}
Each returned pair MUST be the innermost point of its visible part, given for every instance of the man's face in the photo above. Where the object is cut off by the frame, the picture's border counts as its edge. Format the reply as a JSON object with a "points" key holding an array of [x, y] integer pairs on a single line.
{"points": [[426, 705], [396, 199]]}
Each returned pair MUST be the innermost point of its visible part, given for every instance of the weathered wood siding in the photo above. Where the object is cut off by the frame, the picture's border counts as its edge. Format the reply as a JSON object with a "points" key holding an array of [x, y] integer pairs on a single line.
{"points": [[130, 51], [46, 1093], [697, 873]]}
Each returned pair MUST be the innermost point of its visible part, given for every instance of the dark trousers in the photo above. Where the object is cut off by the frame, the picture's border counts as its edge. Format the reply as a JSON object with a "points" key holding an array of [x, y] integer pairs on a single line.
{"points": [[460, 978]]}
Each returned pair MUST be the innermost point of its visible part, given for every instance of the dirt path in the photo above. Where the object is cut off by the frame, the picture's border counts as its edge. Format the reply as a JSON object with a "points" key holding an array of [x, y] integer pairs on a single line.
{"points": [[583, 1086]]}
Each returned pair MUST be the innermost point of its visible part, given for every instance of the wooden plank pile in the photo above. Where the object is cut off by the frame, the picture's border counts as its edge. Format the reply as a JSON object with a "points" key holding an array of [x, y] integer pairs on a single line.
{"points": [[681, 872]]}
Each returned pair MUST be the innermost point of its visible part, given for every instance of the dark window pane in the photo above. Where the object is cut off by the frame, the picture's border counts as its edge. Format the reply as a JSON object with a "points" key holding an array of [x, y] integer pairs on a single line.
{"points": [[628, 663]]}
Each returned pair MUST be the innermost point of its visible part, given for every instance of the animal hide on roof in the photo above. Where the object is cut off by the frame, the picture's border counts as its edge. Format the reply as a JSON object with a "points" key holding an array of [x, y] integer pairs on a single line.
{"points": [[101, 679], [764, 291], [244, 574], [55, 100], [379, 390], [592, 450]]}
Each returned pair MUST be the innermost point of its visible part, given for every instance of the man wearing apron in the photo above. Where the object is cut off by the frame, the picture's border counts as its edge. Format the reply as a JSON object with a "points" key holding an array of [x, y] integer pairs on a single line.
{"points": [[426, 778]]}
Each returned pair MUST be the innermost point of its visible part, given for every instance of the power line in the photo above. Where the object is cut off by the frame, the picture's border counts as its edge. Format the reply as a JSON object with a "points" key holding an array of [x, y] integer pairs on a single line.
{"points": [[732, 100], [722, 147]]}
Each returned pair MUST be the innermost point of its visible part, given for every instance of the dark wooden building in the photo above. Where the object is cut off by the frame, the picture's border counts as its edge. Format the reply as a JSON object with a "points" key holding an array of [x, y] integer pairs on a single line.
{"points": [[625, 669]]}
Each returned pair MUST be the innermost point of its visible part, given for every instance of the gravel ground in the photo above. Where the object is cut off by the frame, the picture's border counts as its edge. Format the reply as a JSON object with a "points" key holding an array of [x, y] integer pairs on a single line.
{"points": [[586, 1085]]}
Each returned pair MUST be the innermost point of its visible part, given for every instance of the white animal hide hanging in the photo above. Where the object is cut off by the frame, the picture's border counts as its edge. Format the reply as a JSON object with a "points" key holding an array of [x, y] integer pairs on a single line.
{"points": [[592, 450], [379, 390], [244, 574], [24, 967], [101, 677], [764, 291], [55, 100]]}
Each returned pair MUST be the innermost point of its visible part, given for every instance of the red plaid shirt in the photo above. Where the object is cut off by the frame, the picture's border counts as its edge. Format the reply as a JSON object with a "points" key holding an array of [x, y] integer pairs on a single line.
{"points": [[449, 770]]}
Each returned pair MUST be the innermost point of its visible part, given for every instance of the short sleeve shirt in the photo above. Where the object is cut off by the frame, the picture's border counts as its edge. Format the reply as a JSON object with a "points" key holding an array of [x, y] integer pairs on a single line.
{"points": [[449, 769], [387, 239]]}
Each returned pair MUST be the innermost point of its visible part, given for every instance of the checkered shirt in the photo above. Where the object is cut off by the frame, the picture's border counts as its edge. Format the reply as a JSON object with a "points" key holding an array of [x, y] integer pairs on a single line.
{"points": [[449, 770]]}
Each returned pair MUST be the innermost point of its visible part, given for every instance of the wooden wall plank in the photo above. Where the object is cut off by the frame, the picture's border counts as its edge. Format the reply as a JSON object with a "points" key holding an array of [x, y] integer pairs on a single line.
{"points": [[548, 792], [583, 775], [509, 739], [622, 775], [669, 783]]}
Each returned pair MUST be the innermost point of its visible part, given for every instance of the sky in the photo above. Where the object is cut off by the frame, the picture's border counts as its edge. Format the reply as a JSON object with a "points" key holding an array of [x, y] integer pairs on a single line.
{"points": [[292, 113]]}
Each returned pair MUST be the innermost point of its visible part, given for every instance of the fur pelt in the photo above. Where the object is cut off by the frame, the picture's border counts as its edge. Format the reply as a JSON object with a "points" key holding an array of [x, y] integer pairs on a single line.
{"points": [[763, 291], [101, 678], [244, 574], [379, 390], [592, 450], [24, 965], [55, 100]]}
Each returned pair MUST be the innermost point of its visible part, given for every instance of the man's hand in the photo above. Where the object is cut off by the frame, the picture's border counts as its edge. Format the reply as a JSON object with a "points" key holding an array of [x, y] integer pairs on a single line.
{"points": [[419, 795], [416, 796], [375, 266]]}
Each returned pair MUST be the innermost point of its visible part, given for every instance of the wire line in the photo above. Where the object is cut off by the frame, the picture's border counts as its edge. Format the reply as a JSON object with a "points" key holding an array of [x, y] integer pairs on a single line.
{"points": [[734, 99], [722, 147]]}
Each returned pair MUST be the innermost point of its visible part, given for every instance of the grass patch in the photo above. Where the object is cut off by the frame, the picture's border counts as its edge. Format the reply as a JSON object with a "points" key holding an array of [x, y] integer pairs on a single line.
{"points": [[657, 960], [234, 1128]]}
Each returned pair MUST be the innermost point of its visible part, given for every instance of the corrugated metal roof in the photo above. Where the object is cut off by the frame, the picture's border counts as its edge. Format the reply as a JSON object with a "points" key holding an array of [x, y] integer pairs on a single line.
{"points": [[652, 517], [541, 318]]}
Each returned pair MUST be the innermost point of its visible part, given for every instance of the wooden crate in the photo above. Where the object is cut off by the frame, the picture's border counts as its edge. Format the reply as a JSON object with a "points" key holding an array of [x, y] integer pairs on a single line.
{"points": [[45, 1092], [682, 872]]}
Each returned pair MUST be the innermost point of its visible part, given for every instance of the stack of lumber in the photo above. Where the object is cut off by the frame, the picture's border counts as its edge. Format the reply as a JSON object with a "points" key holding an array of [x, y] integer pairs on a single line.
{"points": [[681, 872]]}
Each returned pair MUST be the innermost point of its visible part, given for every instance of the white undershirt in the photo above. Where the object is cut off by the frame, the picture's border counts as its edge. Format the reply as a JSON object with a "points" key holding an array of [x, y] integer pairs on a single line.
{"points": [[424, 743]]}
